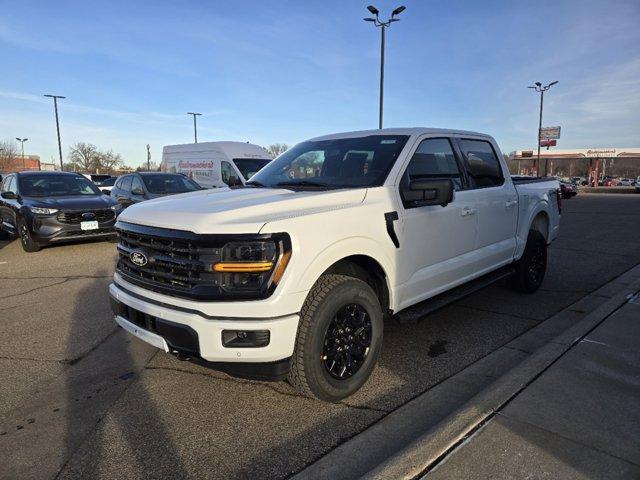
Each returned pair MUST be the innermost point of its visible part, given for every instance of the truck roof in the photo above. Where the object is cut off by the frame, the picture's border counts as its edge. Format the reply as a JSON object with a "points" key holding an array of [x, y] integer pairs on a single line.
{"points": [[233, 149], [400, 131]]}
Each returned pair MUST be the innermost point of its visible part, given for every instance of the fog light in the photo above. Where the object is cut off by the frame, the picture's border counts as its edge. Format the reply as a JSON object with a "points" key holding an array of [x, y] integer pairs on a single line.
{"points": [[245, 338]]}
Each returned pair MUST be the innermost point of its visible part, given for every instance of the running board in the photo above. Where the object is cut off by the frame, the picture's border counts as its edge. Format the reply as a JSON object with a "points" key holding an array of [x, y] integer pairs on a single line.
{"points": [[416, 312]]}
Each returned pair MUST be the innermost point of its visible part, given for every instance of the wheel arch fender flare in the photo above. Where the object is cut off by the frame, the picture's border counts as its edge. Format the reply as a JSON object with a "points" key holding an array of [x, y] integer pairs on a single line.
{"points": [[343, 249]]}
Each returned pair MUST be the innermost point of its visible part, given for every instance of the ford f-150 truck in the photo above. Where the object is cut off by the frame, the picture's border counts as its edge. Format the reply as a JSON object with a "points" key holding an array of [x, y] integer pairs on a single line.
{"points": [[292, 276]]}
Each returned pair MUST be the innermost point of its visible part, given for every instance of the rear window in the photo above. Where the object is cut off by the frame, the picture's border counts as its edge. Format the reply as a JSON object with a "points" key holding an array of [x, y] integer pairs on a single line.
{"points": [[169, 183], [482, 164]]}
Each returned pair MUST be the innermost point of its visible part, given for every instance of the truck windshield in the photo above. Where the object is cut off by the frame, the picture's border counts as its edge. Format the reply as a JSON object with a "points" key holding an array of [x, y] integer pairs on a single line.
{"points": [[337, 163], [169, 183], [250, 166], [54, 185]]}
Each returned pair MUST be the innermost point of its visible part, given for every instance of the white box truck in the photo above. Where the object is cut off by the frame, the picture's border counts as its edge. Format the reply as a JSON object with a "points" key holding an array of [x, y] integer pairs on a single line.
{"points": [[215, 164]]}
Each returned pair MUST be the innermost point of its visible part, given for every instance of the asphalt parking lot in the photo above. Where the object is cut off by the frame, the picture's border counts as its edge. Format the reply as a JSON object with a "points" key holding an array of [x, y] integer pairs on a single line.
{"points": [[83, 399]]}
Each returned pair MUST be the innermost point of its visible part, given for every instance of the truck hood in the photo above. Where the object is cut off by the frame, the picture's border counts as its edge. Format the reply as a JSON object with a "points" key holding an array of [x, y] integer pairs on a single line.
{"points": [[244, 210]]}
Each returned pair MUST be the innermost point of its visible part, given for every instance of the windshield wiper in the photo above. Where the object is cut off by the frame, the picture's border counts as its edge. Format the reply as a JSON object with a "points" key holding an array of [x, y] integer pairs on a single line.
{"points": [[303, 183]]}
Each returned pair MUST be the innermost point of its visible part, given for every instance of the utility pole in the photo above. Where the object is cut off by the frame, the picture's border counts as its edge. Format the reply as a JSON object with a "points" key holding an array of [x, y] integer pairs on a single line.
{"points": [[55, 107], [195, 127], [383, 26], [148, 157], [539, 88], [22, 140]]}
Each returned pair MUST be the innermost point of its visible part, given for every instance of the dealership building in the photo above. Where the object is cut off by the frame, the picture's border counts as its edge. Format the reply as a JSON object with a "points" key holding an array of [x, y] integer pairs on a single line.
{"points": [[587, 162]]}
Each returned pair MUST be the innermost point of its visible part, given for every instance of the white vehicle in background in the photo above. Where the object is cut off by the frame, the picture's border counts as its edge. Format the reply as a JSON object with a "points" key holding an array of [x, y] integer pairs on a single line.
{"points": [[215, 164], [292, 275]]}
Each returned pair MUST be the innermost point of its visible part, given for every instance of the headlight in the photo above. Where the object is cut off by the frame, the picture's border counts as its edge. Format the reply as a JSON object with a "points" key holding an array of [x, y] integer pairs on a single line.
{"points": [[252, 265], [43, 211]]}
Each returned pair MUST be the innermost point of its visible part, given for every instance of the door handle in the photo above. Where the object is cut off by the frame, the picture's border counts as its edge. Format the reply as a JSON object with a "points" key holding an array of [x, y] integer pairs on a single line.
{"points": [[467, 211], [510, 203]]}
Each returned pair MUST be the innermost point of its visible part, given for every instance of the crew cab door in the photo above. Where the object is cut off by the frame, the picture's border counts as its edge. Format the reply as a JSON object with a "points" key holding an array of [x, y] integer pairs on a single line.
{"points": [[436, 242], [497, 202]]}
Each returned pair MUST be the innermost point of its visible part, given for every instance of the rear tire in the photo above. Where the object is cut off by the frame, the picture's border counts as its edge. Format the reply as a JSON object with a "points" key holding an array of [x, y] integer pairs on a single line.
{"points": [[339, 338], [532, 266], [28, 243]]}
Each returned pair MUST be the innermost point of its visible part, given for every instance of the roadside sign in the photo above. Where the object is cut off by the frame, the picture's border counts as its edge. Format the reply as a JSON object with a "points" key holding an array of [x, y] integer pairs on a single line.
{"points": [[548, 143], [527, 153], [549, 133]]}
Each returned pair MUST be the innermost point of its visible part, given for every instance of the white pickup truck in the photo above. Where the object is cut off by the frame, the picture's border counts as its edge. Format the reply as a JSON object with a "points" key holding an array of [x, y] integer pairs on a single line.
{"points": [[292, 276]]}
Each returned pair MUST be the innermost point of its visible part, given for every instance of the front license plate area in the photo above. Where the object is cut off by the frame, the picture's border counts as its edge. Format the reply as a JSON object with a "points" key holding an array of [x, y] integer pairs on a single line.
{"points": [[91, 225]]}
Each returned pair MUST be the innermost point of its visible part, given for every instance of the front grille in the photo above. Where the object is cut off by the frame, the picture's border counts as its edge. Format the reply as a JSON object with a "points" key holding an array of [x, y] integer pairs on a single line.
{"points": [[180, 263], [175, 265], [75, 216]]}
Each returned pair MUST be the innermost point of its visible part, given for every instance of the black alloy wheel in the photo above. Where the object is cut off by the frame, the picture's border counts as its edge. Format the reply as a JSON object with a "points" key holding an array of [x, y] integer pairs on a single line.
{"points": [[347, 341]]}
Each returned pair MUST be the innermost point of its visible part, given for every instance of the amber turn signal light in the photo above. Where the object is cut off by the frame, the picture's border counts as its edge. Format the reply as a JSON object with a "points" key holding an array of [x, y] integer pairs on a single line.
{"points": [[243, 267]]}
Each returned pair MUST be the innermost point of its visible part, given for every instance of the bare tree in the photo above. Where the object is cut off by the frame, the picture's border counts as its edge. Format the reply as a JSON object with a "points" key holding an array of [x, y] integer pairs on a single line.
{"points": [[84, 157], [8, 155], [277, 148], [110, 161]]}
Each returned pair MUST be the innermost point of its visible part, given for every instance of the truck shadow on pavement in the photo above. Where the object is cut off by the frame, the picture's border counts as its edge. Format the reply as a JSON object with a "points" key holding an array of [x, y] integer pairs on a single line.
{"points": [[104, 396]]}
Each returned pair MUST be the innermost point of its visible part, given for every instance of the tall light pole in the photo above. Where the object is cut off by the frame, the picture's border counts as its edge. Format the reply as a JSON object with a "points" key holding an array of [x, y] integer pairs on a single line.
{"points": [[148, 157], [539, 88], [383, 26], [55, 107], [195, 127], [22, 140]]}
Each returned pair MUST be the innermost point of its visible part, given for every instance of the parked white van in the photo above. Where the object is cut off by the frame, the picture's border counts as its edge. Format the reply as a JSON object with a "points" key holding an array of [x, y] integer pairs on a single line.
{"points": [[215, 164]]}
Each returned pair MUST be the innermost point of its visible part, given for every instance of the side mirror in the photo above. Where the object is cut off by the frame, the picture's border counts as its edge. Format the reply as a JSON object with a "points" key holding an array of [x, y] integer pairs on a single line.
{"points": [[234, 181], [428, 192], [106, 192], [9, 195], [137, 191]]}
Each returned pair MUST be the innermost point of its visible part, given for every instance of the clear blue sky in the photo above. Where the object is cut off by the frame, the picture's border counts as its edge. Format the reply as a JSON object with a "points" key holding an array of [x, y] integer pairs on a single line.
{"points": [[283, 71]]}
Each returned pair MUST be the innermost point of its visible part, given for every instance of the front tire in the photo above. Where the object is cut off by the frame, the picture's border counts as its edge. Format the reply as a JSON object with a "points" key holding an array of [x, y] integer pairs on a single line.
{"points": [[28, 243], [532, 266], [339, 338]]}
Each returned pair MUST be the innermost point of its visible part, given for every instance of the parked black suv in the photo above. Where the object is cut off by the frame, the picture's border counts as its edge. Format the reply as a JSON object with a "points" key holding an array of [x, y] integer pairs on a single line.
{"points": [[49, 207], [138, 187]]}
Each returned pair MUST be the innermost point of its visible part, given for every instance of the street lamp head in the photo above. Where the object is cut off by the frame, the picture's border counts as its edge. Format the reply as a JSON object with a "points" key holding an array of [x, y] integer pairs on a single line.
{"points": [[398, 11], [538, 84], [369, 19], [553, 83], [373, 9]]}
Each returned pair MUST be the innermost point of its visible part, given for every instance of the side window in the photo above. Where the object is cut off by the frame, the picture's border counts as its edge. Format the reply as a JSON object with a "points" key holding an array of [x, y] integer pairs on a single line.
{"points": [[227, 172], [482, 164], [5, 184], [433, 160], [13, 185], [118, 183], [126, 183], [136, 183]]}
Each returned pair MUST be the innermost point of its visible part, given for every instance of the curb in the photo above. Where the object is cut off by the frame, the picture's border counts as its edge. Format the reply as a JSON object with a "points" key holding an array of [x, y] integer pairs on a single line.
{"points": [[417, 458]]}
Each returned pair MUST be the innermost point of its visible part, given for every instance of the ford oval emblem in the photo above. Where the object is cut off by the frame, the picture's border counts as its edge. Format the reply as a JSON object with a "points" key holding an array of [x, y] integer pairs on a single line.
{"points": [[138, 258]]}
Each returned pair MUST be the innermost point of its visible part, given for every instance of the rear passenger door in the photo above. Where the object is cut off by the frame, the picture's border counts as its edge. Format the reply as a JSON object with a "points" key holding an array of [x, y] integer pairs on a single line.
{"points": [[437, 243], [497, 203], [123, 191]]}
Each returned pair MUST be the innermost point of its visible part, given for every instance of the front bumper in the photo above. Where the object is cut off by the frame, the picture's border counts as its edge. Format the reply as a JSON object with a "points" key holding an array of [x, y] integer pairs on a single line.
{"points": [[195, 337], [46, 229]]}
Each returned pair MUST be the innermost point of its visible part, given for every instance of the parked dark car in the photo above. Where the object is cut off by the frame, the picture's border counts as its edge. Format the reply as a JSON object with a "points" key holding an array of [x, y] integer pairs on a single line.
{"points": [[138, 187], [568, 190], [106, 185], [44, 208]]}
